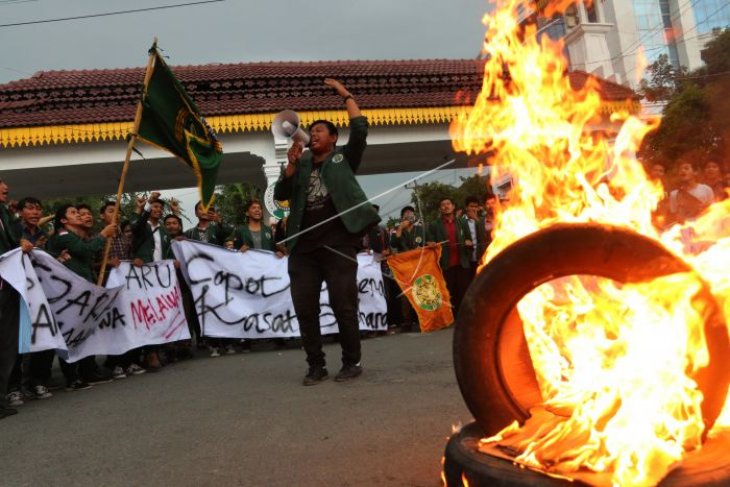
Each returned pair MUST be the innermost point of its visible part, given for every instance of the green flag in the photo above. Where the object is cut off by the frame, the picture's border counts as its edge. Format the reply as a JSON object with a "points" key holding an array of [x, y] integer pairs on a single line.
{"points": [[171, 121]]}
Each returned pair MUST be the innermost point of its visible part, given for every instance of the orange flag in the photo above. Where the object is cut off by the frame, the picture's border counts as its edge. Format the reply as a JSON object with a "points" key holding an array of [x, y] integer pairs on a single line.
{"points": [[419, 276]]}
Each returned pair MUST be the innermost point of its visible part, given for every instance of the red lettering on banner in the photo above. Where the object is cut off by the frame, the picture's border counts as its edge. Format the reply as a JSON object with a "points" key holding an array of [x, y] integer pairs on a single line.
{"points": [[148, 313]]}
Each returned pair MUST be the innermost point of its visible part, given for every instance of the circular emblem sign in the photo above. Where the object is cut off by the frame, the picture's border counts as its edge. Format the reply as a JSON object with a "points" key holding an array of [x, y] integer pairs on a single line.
{"points": [[279, 209], [426, 293]]}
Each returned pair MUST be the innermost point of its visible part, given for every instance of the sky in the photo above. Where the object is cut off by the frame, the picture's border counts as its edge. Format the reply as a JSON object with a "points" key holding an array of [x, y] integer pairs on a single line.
{"points": [[232, 31]]}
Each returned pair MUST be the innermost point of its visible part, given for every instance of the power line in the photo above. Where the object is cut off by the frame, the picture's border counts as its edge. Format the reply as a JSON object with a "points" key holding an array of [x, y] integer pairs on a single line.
{"points": [[633, 48], [701, 76], [107, 14], [636, 45], [13, 2]]}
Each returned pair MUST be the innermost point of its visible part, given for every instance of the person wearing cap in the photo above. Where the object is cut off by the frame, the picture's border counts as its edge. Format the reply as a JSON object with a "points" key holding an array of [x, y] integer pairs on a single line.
{"points": [[328, 217]]}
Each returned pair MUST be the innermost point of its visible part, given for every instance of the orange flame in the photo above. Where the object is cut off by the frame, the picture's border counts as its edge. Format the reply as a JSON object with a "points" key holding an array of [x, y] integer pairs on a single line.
{"points": [[614, 360]]}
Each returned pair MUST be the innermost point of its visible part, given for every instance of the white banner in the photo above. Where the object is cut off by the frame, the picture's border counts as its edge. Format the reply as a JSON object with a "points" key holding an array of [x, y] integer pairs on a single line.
{"points": [[38, 328], [246, 294], [141, 306]]}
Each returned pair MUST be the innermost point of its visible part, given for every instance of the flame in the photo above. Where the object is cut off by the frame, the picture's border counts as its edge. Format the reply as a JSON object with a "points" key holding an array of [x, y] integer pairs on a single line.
{"points": [[641, 64], [613, 362]]}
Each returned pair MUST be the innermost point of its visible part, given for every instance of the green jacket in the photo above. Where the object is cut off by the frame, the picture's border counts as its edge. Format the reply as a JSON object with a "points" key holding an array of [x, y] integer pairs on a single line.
{"points": [[437, 233], [215, 233], [82, 252], [338, 173], [8, 238], [243, 237], [409, 239], [143, 242]]}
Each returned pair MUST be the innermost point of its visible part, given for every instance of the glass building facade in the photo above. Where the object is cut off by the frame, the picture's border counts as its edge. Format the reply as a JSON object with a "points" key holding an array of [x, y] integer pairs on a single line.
{"points": [[654, 25], [711, 15]]}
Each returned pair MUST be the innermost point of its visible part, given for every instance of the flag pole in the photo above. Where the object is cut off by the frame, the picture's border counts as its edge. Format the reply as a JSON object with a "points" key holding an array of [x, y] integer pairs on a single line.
{"points": [[127, 157]]}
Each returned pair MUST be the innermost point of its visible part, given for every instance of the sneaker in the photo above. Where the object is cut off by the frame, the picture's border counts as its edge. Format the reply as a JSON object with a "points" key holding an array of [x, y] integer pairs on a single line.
{"points": [[53, 385], [135, 369], [230, 350], [7, 411], [97, 378], [348, 372], [118, 373], [315, 375], [39, 392], [15, 399], [214, 352], [78, 385]]}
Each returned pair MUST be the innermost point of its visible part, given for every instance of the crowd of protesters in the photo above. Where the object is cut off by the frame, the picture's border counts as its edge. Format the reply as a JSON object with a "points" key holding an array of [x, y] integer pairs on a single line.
{"points": [[696, 186], [76, 236]]}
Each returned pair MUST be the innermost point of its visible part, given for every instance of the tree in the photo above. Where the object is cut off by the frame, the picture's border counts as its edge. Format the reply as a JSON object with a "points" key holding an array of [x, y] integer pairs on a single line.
{"points": [[428, 196], [686, 127], [695, 119], [664, 79], [231, 201]]}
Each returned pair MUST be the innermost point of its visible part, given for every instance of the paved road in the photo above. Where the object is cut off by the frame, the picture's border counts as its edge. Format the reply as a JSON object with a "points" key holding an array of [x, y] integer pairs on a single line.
{"points": [[246, 420]]}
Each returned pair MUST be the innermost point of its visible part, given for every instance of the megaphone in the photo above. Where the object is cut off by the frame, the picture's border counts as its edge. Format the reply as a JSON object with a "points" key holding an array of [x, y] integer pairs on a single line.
{"points": [[286, 125]]}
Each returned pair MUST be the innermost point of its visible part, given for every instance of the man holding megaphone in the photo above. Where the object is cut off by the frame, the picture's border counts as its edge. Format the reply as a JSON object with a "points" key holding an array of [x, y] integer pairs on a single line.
{"points": [[329, 213]]}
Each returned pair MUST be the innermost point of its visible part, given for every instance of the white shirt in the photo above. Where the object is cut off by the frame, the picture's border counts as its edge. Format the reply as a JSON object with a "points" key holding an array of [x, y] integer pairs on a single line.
{"points": [[473, 231], [702, 192], [157, 253]]}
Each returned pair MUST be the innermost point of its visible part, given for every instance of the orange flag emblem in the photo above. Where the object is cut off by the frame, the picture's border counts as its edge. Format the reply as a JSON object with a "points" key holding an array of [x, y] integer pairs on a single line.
{"points": [[419, 277]]}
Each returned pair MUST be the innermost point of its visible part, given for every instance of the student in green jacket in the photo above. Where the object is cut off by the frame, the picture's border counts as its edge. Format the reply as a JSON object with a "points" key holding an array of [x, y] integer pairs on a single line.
{"points": [[70, 231], [254, 234], [9, 303], [409, 234], [149, 232], [329, 214], [210, 228], [456, 247]]}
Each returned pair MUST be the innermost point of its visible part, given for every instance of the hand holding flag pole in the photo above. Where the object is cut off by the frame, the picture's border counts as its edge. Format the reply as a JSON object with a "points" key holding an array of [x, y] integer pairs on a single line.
{"points": [[125, 167], [169, 119]]}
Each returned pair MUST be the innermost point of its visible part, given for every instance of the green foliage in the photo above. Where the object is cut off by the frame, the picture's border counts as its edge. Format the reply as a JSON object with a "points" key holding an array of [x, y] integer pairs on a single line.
{"points": [[392, 222], [695, 119], [428, 195], [664, 79], [231, 200], [685, 127]]}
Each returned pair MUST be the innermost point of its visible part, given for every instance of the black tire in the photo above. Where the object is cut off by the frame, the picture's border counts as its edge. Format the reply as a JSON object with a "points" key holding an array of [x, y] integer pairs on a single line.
{"points": [[709, 468], [488, 323]]}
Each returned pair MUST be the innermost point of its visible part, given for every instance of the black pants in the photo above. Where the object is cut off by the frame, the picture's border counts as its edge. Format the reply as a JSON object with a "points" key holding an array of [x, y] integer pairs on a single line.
{"points": [[9, 324], [457, 280], [307, 271], [41, 365]]}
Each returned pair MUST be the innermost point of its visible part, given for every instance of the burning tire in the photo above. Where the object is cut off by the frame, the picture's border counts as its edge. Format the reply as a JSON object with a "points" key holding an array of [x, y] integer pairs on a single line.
{"points": [[709, 467], [491, 359]]}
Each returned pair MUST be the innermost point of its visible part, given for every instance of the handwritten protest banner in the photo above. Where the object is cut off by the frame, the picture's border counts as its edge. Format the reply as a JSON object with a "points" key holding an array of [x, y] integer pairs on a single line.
{"points": [[246, 294], [38, 328], [141, 306], [236, 295]]}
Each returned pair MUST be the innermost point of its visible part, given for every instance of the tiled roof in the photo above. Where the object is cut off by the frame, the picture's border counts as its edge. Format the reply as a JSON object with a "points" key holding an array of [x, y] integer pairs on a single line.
{"points": [[109, 95]]}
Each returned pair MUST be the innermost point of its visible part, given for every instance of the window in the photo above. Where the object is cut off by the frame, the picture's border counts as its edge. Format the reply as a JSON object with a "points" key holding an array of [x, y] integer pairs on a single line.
{"points": [[591, 12], [711, 14]]}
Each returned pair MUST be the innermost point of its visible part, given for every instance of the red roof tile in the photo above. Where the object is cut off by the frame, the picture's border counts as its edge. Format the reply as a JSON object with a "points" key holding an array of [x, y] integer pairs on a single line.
{"points": [[110, 95]]}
